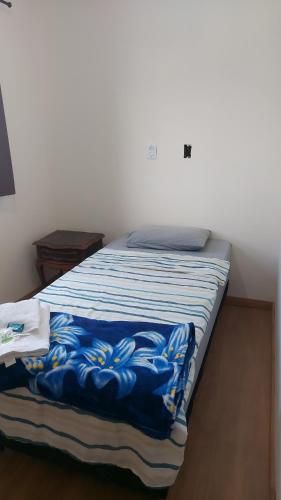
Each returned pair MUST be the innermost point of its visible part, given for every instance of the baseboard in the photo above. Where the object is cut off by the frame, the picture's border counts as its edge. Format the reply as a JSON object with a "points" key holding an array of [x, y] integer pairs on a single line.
{"points": [[253, 303]]}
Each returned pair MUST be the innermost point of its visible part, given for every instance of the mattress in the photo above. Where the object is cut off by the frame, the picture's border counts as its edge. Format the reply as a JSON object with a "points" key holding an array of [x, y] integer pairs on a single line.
{"points": [[33, 419], [214, 248]]}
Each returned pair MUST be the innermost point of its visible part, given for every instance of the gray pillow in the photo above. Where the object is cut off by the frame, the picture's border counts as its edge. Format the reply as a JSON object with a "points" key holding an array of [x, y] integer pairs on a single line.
{"points": [[169, 238]]}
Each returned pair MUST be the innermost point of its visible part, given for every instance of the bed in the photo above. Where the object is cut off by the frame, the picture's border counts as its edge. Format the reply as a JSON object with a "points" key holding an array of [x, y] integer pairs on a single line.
{"points": [[97, 289]]}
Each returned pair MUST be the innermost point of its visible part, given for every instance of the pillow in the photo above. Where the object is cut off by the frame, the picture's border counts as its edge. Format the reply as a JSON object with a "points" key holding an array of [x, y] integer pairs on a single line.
{"points": [[169, 238]]}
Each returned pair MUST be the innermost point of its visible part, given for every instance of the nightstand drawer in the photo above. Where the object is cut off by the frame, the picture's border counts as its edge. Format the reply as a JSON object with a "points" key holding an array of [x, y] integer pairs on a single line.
{"points": [[60, 255]]}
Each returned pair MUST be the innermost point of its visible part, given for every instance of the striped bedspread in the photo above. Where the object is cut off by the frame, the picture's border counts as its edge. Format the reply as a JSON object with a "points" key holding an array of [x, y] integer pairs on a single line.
{"points": [[120, 285]]}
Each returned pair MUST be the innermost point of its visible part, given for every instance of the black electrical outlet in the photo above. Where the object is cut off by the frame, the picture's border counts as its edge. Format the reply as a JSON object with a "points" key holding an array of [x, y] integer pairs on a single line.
{"points": [[187, 151]]}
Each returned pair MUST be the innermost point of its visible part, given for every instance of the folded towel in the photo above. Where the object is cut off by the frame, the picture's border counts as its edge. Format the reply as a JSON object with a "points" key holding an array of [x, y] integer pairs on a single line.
{"points": [[34, 343], [25, 312]]}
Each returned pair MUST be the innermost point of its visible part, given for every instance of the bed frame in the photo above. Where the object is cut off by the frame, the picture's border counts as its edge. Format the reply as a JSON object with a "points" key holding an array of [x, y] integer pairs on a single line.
{"points": [[106, 472]]}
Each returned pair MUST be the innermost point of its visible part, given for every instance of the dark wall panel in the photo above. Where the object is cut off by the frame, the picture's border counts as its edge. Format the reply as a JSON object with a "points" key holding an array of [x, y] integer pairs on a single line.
{"points": [[7, 185]]}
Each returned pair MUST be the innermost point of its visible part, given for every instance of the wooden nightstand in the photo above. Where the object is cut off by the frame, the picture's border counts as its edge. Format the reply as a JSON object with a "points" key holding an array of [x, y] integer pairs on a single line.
{"points": [[63, 250]]}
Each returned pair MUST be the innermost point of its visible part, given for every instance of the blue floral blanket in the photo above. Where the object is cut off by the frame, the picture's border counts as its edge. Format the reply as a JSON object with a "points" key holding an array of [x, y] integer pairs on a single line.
{"points": [[132, 372]]}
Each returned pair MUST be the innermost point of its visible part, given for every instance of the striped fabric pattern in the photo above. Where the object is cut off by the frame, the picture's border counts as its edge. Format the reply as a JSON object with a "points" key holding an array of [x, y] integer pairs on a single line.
{"points": [[120, 285]]}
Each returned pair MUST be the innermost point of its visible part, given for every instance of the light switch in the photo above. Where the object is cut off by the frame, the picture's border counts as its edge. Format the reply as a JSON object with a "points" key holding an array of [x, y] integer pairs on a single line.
{"points": [[151, 153]]}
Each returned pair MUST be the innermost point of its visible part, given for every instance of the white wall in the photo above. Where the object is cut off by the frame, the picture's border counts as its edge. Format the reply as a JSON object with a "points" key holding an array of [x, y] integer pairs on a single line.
{"points": [[87, 88], [174, 72], [26, 82]]}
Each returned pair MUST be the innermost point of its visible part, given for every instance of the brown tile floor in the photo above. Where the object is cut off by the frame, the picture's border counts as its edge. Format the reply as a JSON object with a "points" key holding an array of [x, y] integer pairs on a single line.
{"points": [[228, 455]]}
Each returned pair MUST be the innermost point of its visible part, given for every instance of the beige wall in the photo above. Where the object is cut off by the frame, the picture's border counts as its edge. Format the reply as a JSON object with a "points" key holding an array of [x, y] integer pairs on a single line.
{"points": [[27, 92], [86, 89], [174, 72]]}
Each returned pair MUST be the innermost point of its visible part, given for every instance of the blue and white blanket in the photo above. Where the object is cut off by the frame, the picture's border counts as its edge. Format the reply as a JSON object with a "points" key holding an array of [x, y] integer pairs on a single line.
{"points": [[120, 286], [125, 371]]}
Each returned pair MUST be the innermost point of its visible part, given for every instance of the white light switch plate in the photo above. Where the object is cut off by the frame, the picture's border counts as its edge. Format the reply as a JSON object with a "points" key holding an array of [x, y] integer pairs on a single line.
{"points": [[151, 153]]}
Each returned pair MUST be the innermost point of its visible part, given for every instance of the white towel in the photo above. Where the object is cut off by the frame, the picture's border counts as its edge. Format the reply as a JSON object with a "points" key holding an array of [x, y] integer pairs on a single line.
{"points": [[25, 312], [36, 343]]}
